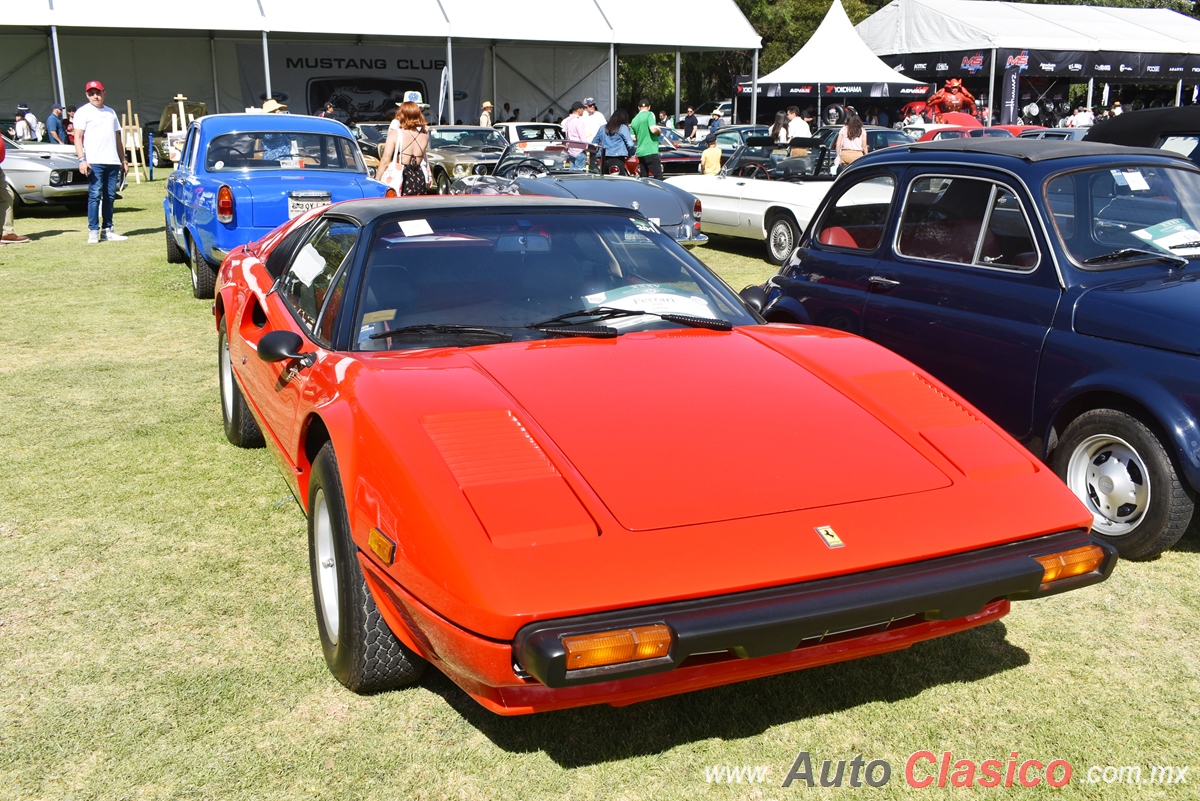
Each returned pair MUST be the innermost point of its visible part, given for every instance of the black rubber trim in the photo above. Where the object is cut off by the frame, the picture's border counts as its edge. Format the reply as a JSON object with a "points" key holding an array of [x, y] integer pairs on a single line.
{"points": [[774, 621]]}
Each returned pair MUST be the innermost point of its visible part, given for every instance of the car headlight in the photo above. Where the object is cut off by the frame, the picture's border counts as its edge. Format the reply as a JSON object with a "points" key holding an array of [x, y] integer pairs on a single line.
{"points": [[481, 169], [56, 177], [460, 170]]}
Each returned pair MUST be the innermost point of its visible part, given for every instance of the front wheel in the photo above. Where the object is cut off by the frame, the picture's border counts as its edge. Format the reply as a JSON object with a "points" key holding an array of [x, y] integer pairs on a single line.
{"points": [[782, 235], [204, 277], [360, 649], [443, 183], [1120, 470], [240, 426]]}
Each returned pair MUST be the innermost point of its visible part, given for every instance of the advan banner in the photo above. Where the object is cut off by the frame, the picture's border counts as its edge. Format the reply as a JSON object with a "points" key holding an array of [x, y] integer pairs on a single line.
{"points": [[363, 83]]}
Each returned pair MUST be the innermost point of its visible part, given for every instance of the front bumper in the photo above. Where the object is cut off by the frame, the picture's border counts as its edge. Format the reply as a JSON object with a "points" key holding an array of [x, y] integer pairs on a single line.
{"points": [[725, 639]]}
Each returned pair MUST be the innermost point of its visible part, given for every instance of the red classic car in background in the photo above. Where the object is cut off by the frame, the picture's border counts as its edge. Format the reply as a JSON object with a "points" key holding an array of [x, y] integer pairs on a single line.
{"points": [[544, 449]]}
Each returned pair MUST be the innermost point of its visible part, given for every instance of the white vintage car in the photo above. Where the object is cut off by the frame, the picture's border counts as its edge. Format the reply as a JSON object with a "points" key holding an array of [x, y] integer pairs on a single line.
{"points": [[763, 192]]}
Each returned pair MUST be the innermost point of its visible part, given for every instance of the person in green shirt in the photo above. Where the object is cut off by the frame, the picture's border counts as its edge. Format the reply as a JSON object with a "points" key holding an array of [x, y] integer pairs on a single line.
{"points": [[645, 131]]}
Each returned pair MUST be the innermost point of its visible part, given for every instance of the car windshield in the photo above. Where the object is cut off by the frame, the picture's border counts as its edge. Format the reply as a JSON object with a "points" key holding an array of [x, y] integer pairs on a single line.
{"points": [[760, 158], [282, 150], [1106, 217], [467, 138], [527, 133], [503, 272], [375, 133]]}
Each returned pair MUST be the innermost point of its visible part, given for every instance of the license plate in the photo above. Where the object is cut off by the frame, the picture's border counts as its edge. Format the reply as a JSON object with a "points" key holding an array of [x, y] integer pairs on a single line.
{"points": [[300, 203]]}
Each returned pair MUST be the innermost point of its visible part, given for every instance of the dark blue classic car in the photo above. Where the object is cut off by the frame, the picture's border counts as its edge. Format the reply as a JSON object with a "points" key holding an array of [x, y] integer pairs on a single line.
{"points": [[243, 175], [1055, 285]]}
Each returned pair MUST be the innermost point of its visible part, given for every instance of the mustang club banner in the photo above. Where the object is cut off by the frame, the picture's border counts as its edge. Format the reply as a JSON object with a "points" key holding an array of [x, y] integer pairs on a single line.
{"points": [[363, 83]]}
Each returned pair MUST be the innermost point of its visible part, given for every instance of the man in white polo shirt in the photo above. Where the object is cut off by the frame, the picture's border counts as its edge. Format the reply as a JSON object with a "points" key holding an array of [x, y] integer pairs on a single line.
{"points": [[101, 159]]}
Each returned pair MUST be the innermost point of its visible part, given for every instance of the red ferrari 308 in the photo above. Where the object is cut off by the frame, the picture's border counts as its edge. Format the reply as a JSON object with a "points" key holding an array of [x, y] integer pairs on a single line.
{"points": [[542, 447]]}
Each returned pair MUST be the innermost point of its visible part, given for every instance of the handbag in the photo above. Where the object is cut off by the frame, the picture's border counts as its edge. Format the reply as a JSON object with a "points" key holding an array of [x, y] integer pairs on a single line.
{"points": [[392, 175]]}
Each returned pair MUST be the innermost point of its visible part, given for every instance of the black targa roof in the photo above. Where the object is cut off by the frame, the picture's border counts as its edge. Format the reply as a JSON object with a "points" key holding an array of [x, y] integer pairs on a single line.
{"points": [[1144, 128]]}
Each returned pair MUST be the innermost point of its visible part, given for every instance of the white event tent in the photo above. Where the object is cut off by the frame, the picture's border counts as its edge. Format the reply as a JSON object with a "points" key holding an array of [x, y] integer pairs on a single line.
{"points": [[835, 62], [938, 39], [234, 53]]}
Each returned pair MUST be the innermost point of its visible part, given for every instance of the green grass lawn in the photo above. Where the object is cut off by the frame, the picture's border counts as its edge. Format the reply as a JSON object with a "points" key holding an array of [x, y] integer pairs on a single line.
{"points": [[158, 640]]}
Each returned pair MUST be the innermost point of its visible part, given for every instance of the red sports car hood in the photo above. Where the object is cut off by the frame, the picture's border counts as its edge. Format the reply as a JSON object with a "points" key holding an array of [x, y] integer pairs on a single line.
{"points": [[687, 427]]}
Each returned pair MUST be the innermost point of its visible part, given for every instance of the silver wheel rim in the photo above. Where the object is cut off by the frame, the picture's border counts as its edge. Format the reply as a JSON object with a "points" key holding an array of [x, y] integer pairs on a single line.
{"points": [[781, 240], [1110, 477], [226, 380], [327, 586], [443, 184]]}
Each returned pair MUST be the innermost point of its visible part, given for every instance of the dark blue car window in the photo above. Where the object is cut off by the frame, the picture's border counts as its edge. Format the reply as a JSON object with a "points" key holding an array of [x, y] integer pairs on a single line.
{"points": [[856, 219], [1125, 206], [943, 217]]}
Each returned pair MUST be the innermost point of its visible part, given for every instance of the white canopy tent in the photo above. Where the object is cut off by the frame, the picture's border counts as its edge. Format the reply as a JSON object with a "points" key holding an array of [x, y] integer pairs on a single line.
{"points": [[835, 54], [148, 50], [835, 62], [947, 37], [922, 26]]}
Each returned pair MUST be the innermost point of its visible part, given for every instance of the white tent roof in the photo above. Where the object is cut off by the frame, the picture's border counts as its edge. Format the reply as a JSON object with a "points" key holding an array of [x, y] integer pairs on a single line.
{"points": [[835, 53], [925, 26], [637, 23]]}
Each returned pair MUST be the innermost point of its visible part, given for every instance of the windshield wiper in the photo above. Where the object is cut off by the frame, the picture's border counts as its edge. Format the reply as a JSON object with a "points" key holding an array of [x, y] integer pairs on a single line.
{"points": [[610, 313], [465, 331], [1130, 254], [1182, 245], [568, 330]]}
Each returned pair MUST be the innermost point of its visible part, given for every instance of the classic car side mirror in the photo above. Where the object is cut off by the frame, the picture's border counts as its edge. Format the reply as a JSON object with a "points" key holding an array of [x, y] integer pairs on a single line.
{"points": [[754, 297], [279, 345]]}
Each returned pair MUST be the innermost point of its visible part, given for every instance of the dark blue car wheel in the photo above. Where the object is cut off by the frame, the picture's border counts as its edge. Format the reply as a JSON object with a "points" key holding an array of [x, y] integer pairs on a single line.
{"points": [[1118, 467]]}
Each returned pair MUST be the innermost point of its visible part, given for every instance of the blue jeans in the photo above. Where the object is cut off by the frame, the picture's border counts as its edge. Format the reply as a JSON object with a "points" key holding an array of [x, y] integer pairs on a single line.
{"points": [[579, 162], [103, 180]]}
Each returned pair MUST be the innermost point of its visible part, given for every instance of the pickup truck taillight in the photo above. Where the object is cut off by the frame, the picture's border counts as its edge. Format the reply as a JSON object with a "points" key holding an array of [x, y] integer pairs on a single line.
{"points": [[225, 205]]}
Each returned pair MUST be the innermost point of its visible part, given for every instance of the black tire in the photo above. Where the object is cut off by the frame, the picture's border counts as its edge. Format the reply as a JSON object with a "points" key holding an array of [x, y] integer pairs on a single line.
{"points": [[362, 653], [442, 182], [240, 426], [175, 254], [782, 236], [1119, 468], [204, 276]]}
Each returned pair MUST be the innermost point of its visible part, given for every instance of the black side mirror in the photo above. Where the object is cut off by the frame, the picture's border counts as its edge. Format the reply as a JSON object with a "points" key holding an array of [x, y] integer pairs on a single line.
{"points": [[279, 345], [754, 297]]}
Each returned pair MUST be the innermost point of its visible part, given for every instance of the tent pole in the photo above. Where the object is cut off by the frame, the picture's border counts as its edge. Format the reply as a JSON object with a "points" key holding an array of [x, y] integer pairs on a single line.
{"points": [[1179, 93], [266, 67], [450, 66], [62, 98], [753, 91], [991, 91], [1104, 96], [212, 52], [612, 78], [676, 117], [1091, 89], [495, 94]]}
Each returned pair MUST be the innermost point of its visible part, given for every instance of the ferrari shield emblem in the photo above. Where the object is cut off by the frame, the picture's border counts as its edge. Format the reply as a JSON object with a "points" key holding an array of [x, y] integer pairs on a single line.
{"points": [[829, 537]]}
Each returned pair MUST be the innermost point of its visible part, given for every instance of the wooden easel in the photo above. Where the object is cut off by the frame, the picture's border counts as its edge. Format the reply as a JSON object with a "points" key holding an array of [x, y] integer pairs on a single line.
{"points": [[131, 137], [181, 119]]}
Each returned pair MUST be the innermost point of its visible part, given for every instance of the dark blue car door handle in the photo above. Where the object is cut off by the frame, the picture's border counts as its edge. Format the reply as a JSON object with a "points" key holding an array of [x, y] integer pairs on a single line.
{"points": [[882, 283]]}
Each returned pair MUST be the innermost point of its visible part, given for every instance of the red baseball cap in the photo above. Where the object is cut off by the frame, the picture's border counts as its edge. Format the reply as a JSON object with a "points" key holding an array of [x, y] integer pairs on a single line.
{"points": [[93, 85]]}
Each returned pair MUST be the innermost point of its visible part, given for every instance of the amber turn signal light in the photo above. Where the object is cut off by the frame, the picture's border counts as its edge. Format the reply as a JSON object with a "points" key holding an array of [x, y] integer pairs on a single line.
{"points": [[381, 546], [614, 647], [1075, 562], [390, 192]]}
